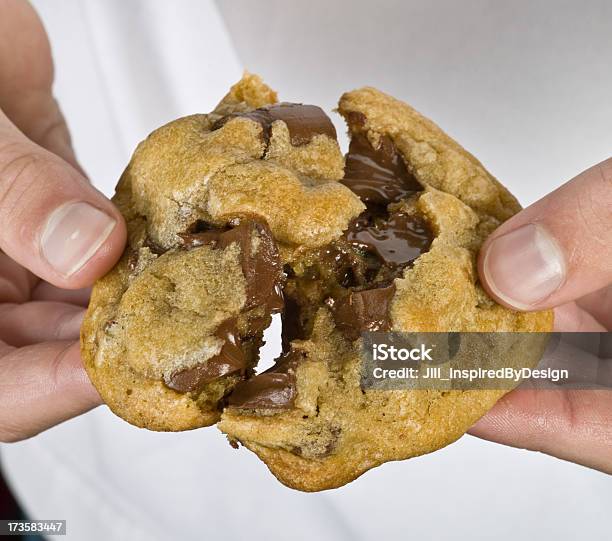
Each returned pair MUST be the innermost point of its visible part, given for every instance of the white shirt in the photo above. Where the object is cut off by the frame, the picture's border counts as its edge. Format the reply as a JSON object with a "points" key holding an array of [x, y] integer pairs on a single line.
{"points": [[525, 88]]}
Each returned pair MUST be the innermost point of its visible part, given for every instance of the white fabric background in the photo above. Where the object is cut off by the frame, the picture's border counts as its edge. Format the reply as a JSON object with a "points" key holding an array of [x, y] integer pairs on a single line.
{"points": [[525, 86]]}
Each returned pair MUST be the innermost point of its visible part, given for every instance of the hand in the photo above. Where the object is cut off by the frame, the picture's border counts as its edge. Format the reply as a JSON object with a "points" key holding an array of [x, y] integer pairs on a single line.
{"points": [[557, 253], [57, 232]]}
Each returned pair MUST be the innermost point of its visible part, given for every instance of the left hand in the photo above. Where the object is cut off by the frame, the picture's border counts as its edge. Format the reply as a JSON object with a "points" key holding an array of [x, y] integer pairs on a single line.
{"points": [[57, 233]]}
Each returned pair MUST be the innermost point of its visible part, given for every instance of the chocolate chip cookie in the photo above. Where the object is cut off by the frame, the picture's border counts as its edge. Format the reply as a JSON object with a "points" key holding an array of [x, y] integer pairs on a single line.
{"points": [[252, 210]]}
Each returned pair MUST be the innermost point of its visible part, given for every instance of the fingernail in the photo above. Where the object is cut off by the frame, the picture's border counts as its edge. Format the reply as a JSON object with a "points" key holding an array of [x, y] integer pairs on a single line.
{"points": [[73, 234], [524, 267]]}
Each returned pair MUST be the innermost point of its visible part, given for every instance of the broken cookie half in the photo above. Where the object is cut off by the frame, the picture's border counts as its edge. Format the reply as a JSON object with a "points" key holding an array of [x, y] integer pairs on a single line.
{"points": [[252, 210]]}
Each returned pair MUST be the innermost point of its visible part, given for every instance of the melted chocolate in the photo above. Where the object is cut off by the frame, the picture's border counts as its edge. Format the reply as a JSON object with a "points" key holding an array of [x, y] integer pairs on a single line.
{"points": [[379, 175], [366, 310], [273, 389], [230, 360], [397, 239], [303, 121], [387, 241]]}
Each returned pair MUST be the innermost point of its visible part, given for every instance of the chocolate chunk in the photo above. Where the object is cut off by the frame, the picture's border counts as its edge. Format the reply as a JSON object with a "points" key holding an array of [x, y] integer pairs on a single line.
{"points": [[273, 389], [366, 310], [260, 263], [303, 121], [259, 259], [356, 121], [314, 451], [265, 391], [354, 274], [397, 239], [230, 360], [377, 175], [262, 271]]}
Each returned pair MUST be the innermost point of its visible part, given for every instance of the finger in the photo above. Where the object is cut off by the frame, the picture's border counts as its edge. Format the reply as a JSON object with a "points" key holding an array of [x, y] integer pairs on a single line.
{"points": [[44, 291], [599, 304], [34, 322], [26, 80], [574, 425], [571, 317], [41, 386], [557, 250], [15, 281], [52, 221]]}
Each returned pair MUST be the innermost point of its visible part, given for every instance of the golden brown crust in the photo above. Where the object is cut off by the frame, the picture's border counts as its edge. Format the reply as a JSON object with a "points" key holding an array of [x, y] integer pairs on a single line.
{"points": [[463, 203], [435, 159], [418, 433], [152, 313]]}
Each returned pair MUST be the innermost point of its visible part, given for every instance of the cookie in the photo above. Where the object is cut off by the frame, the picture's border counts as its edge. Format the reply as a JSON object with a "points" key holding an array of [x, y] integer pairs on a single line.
{"points": [[252, 210]]}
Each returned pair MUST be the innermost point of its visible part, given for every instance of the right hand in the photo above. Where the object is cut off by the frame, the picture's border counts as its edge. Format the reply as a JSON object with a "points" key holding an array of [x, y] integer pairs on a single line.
{"points": [[557, 253], [57, 233]]}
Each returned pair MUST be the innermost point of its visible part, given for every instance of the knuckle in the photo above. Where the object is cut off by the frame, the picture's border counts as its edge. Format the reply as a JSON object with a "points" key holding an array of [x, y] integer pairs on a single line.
{"points": [[15, 156], [590, 212], [18, 171], [23, 174], [593, 210]]}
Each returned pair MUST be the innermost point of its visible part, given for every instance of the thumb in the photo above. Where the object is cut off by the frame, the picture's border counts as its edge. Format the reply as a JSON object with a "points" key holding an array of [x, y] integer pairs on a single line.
{"points": [[555, 251], [52, 221]]}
